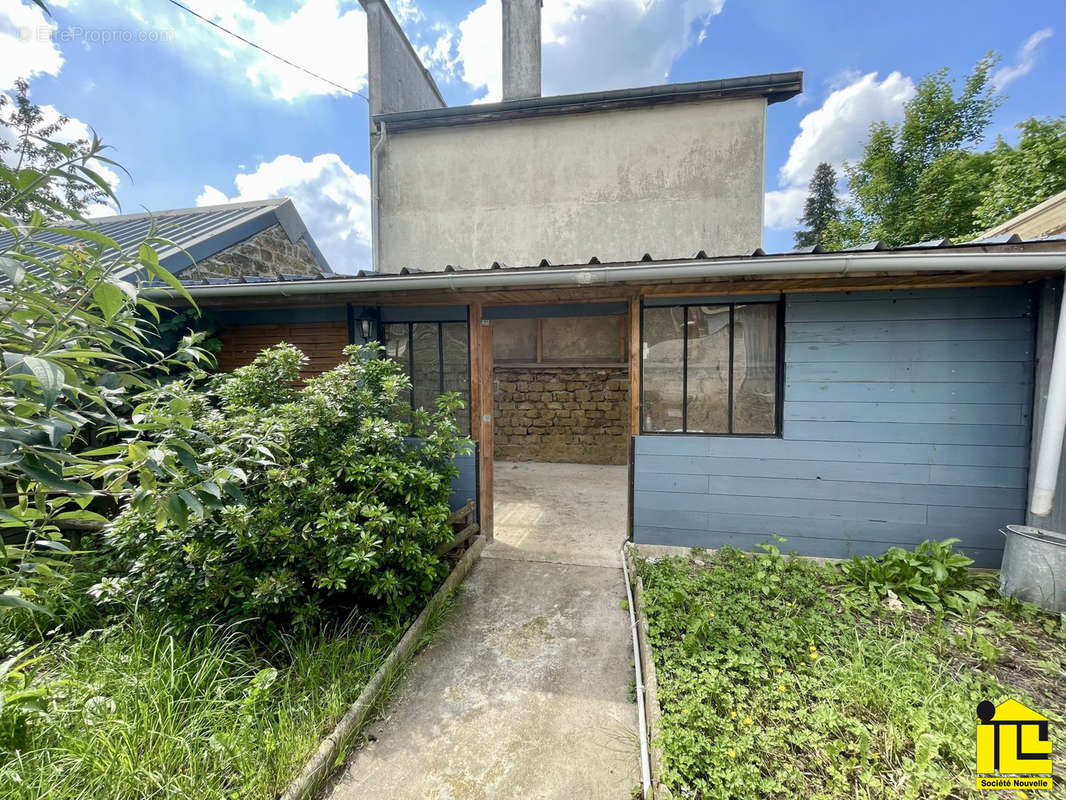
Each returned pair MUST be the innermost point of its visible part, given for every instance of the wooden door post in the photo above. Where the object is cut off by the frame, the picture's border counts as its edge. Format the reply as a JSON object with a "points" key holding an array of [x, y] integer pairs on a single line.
{"points": [[481, 410]]}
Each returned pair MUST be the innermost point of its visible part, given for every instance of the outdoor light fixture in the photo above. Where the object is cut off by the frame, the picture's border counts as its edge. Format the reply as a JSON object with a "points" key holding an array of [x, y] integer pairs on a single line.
{"points": [[364, 328]]}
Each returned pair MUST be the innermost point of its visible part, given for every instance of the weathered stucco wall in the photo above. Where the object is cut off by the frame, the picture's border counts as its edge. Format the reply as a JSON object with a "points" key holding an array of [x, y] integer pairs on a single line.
{"points": [[668, 180], [397, 80], [573, 415], [264, 255]]}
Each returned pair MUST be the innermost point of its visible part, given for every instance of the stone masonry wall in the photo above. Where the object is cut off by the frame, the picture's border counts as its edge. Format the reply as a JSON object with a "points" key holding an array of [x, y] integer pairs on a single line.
{"points": [[572, 414], [266, 254]]}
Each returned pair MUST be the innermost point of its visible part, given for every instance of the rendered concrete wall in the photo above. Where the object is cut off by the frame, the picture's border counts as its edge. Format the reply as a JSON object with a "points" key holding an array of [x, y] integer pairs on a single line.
{"points": [[669, 180], [398, 81], [521, 49]]}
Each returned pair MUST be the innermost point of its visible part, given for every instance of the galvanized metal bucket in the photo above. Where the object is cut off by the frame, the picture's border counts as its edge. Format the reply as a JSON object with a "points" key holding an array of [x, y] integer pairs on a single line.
{"points": [[1034, 566]]}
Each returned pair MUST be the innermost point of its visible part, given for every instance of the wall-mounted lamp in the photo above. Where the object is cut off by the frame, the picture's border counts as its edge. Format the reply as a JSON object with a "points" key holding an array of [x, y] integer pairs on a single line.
{"points": [[364, 328]]}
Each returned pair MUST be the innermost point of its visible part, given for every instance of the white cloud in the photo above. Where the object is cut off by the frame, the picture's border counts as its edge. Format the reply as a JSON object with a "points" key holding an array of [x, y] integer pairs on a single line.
{"points": [[332, 198], [835, 133], [26, 43], [1027, 55], [782, 207], [588, 44], [407, 11], [327, 37]]}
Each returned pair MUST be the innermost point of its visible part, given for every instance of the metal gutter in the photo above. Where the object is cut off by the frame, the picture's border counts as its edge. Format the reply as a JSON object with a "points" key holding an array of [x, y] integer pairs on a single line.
{"points": [[775, 87], [603, 274]]}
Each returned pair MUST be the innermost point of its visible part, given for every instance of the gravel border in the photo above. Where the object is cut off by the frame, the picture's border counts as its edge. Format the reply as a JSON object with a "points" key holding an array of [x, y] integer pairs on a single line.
{"points": [[318, 768]]}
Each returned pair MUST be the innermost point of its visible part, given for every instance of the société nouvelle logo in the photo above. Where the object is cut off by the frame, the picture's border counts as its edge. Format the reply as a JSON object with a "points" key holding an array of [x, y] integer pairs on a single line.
{"points": [[1014, 746]]}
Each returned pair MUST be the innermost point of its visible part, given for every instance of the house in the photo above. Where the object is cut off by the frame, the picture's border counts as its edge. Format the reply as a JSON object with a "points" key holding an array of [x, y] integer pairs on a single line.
{"points": [[1044, 219], [257, 240], [593, 283]]}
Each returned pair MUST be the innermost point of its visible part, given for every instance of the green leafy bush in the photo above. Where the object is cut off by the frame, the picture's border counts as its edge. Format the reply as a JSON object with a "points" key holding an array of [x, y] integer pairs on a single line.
{"points": [[344, 499], [932, 574]]}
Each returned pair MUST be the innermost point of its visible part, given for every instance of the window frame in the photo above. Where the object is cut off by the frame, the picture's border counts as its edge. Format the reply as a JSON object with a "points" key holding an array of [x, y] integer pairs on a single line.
{"points": [[440, 323], [779, 366]]}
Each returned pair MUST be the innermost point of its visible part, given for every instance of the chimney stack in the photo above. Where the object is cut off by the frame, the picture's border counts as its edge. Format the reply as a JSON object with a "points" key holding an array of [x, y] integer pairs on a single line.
{"points": [[521, 49]]}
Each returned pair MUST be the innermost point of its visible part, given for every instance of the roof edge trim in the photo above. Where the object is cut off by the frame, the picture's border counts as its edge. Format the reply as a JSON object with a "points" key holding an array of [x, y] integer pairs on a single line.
{"points": [[775, 87]]}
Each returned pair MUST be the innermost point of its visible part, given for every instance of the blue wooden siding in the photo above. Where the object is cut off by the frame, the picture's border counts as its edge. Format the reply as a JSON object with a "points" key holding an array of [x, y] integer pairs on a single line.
{"points": [[465, 486], [906, 417]]}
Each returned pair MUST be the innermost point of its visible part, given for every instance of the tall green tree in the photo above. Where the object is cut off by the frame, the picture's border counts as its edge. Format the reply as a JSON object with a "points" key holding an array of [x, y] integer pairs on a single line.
{"points": [[27, 146], [821, 209], [918, 179], [1024, 175]]}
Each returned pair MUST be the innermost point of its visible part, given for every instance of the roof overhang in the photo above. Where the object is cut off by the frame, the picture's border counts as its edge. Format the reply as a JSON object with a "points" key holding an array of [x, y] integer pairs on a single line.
{"points": [[775, 87], [840, 265]]}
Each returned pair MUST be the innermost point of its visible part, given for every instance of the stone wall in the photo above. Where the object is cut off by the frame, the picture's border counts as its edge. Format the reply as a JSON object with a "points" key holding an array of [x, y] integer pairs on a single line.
{"points": [[569, 414], [266, 254]]}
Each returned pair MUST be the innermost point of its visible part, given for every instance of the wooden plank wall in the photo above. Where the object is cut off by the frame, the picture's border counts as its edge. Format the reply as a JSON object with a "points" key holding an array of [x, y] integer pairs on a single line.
{"points": [[906, 417], [321, 342]]}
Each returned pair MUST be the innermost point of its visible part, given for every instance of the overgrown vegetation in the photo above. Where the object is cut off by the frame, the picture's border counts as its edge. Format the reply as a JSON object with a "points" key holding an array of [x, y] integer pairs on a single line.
{"points": [[783, 678], [340, 508], [136, 712], [271, 540]]}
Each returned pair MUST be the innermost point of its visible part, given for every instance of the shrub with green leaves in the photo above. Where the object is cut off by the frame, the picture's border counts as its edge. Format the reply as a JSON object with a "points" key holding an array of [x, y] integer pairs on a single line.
{"points": [[344, 499], [931, 574]]}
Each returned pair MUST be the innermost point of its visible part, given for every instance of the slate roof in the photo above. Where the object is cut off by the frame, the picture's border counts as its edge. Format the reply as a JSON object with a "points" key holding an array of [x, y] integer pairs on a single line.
{"points": [[201, 232]]}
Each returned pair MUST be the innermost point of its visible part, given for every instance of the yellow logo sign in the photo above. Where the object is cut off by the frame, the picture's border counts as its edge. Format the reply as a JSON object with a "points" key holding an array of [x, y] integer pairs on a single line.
{"points": [[1012, 740]]}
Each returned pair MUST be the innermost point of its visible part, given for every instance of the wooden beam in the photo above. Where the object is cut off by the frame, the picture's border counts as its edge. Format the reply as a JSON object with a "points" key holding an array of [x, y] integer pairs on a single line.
{"points": [[634, 366], [540, 341], [481, 410]]}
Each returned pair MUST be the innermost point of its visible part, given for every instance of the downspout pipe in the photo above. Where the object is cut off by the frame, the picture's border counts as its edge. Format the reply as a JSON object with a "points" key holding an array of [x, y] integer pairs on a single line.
{"points": [[1049, 454], [375, 201]]}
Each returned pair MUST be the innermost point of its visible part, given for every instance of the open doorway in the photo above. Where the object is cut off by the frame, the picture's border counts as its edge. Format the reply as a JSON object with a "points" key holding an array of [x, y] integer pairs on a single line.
{"points": [[561, 409]]}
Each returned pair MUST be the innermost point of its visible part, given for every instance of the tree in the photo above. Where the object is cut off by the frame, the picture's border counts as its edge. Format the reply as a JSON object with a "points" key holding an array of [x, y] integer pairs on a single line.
{"points": [[27, 145], [821, 209], [905, 183], [1024, 175]]}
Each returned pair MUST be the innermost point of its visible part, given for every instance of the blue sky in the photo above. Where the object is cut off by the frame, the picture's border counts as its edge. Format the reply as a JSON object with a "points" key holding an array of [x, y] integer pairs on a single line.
{"points": [[197, 117]]}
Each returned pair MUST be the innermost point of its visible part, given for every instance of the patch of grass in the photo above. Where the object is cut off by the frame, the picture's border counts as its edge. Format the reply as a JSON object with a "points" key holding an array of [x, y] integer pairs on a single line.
{"points": [[775, 681], [139, 713]]}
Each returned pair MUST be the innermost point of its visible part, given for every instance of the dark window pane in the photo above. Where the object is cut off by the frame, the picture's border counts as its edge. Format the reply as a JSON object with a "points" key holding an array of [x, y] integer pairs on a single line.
{"points": [[426, 377], [578, 340], [396, 344], [457, 368], [754, 369], [708, 369], [514, 340], [663, 368]]}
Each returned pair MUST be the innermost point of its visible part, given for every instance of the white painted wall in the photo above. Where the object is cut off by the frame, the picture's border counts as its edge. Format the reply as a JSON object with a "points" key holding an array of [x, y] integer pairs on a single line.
{"points": [[669, 180]]}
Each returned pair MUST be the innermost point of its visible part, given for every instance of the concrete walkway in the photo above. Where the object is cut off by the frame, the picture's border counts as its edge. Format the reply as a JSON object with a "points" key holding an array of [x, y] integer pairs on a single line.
{"points": [[524, 692]]}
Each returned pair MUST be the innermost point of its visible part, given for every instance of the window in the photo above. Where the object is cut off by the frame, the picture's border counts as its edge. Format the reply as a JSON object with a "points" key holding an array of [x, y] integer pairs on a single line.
{"points": [[711, 369], [436, 356], [560, 340]]}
